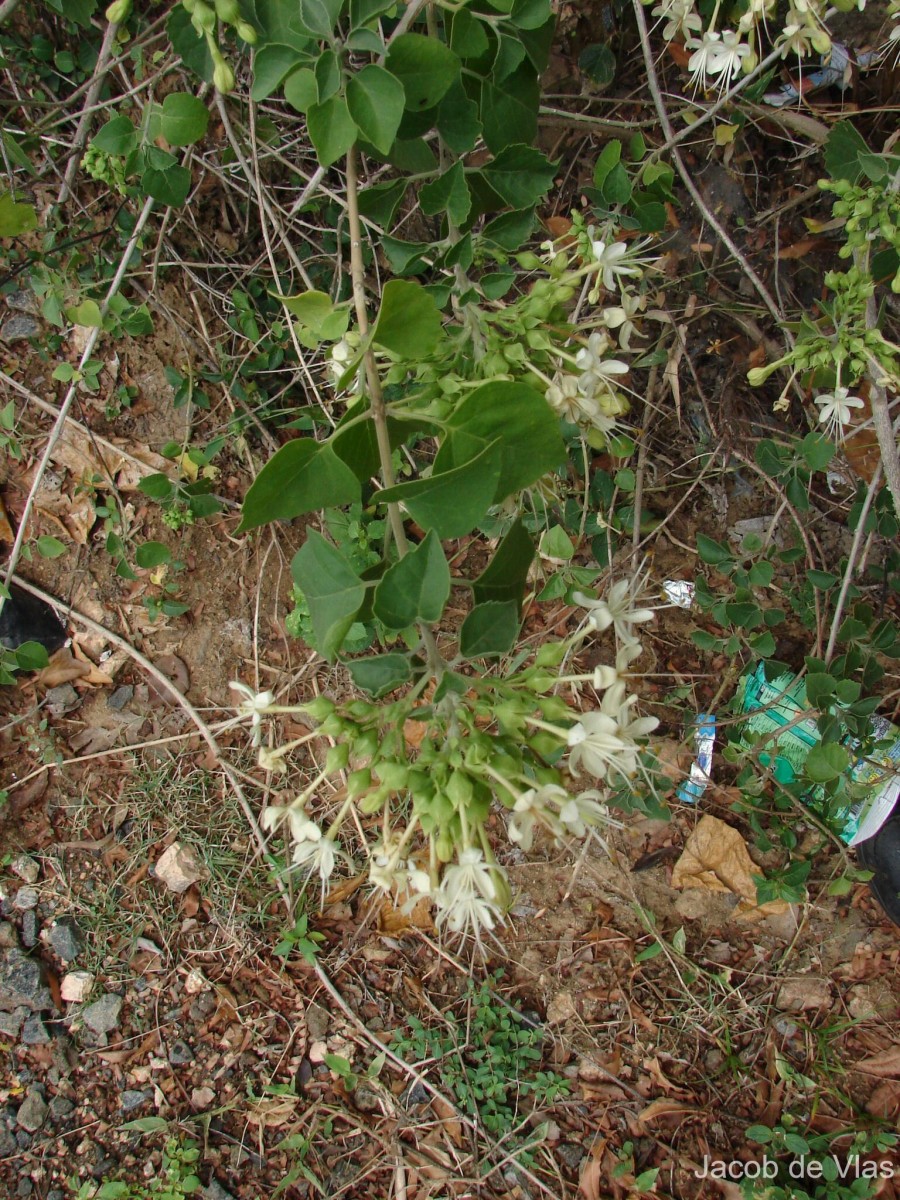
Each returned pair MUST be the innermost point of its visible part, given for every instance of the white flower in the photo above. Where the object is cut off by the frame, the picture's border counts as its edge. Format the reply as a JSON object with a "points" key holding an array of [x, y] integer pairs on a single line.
{"points": [[717, 57], [618, 608], [301, 827], [615, 261], [467, 897], [680, 16], [254, 705], [598, 373], [531, 809], [622, 315], [564, 398], [271, 760], [835, 411], [319, 855], [595, 744], [582, 810]]}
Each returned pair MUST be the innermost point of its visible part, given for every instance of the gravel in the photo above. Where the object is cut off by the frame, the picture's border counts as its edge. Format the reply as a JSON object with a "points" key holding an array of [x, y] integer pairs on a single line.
{"points": [[66, 939], [103, 1015], [32, 1111], [21, 983]]}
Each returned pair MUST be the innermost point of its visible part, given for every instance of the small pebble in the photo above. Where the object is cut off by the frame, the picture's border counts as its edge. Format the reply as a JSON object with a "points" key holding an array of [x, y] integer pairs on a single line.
{"points": [[7, 935], [26, 898], [34, 1032], [60, 1108], [26, 868], [18, 328], [61, 700], [75, 986], [132, 1099], [8, 1145], [103, 1015], [66, 939], [11, 1022], [26, 302], [120, 697], [29, 929], [180, 1054], [32, 1111], [25, 1187]]}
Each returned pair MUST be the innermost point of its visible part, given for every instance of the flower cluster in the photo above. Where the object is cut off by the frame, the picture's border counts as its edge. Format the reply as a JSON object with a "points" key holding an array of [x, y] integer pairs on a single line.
{"points": [[719, 56]]}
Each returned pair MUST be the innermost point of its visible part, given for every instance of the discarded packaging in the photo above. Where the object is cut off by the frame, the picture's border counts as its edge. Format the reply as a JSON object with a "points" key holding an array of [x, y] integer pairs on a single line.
{"points": [[695, 785], [777, 707], [679, 592]]}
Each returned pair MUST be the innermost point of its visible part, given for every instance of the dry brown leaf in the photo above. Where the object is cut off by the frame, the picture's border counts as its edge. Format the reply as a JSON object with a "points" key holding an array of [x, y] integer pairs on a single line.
{"points": [[447, 1115], [591, 1178], [62, 667], [885, 1065], [85, 459], [6, 530], [272, 1111], [663, 1107], [716, 859], [885, 1100], [393, 920]]}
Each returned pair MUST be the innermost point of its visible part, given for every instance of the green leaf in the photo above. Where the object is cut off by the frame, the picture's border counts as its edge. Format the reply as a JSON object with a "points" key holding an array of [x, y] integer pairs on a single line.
{"points": [[520, 175], [509, 113], [316, 311], [87, 313], [761, 1134], [147, 1124], [184, 119], [712, 552], [300, 88], [448, 193], [271, 65], [152, 554], [376, 100], [50, 547], [826, 762], [457, 120], [408, 323], [510, 230], [187, 43], [520, 418], [598, 63], [416, 588], [331, 129], [556, 545], [468, 37], [15, 218], [451, 502], [490, 629], [31, 656], [328, 76], [381, 674], [118, 136], [170, 186], [530, 14], [333, 590], [362, 12], [843, 148], [505, 576], [425, 67], [157, 486], [302, 476], [320, 16], [406, 258], [817, 451], [380, 201]]}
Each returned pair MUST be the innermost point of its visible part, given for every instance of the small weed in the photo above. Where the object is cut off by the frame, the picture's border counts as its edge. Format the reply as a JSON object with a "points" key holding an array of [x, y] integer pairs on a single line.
{"points": [[808, 1166], [175, 1180], [486, 1061]]}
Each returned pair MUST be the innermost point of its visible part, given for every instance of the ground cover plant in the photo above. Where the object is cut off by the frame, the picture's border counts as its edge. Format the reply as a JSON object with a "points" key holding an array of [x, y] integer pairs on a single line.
{"points": [[458, 411]]}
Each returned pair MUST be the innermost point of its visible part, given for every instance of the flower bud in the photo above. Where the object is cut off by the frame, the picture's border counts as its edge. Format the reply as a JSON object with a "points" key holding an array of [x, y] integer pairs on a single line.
{"points": [[246, 32], [118, 11], [528, 261], [228, 11], [359, 782], [223, 77], [203, 18], [337, 758]]}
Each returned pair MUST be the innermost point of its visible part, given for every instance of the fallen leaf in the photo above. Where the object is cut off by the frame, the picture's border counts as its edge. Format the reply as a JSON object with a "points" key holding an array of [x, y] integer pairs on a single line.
{"points": [[716, 859], [885, 1065], [658, 1109], [179, 867], [62, 667]]}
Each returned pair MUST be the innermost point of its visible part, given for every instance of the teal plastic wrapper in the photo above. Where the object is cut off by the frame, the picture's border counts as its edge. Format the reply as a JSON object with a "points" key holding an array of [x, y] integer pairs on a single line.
{"points": [[777, 705]]}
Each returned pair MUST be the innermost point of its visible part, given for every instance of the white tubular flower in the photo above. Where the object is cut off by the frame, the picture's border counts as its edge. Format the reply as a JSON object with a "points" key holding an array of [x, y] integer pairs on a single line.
{"points": [[301, 828], [618, 609], [271, 760], [680, 17], [467, 897], [622, 315], [253, 705], [582, 810], [317, 856], [717, 58], [615, 261], [598, 373], [835, 411], [595, 745], [565, 399], [531, 810]]}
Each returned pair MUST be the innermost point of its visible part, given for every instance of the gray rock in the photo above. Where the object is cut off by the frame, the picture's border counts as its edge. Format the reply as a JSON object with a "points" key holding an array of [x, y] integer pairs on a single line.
{"points": [[29, 929], [215, 1191], [23, 1139], [132, 1099], [32, 1111], [571, 1154], [103, 1015], [60, 1108], [25, 898], [34, 1032], [21, 983], [121, 696], [18, 328], [180, 1054], [61, 700], [25, 1187], [66, 939], [7, 935], [11, 1023], [23, 301], [26, 868], [8, 1145]]}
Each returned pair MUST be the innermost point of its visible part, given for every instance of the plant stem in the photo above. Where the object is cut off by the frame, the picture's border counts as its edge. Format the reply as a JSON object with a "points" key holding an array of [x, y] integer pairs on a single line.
{"points": [[376, 395]]}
